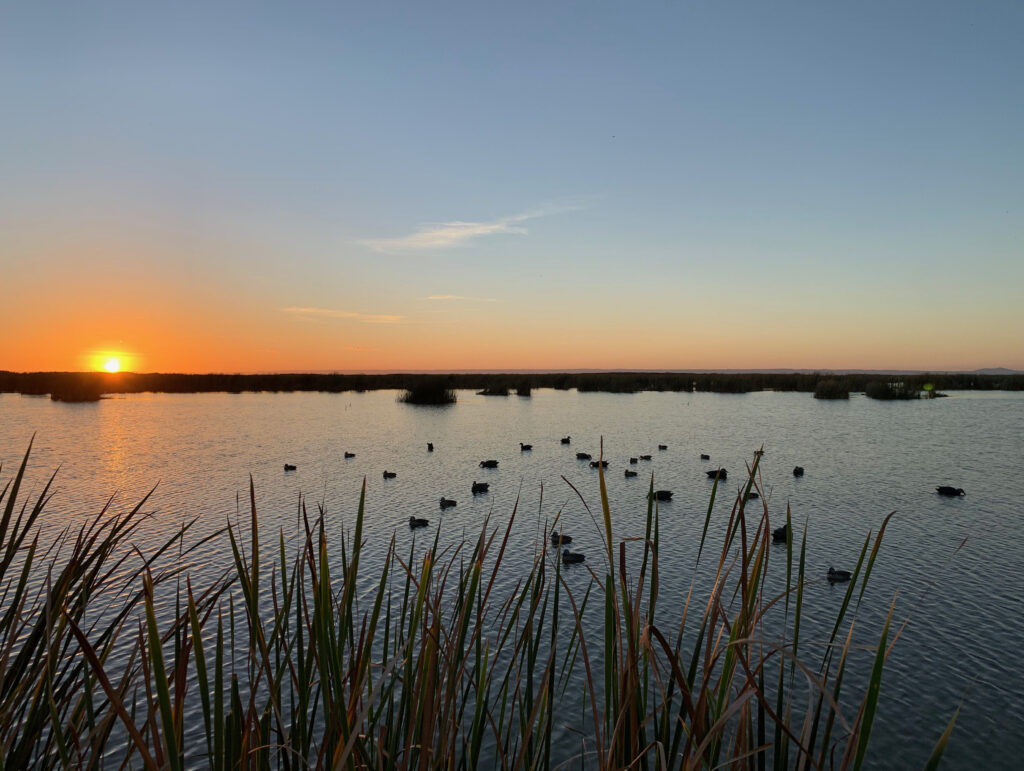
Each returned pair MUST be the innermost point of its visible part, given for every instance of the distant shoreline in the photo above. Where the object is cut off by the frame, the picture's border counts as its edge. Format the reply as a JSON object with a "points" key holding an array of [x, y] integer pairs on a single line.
{"points": [[41, 383]]}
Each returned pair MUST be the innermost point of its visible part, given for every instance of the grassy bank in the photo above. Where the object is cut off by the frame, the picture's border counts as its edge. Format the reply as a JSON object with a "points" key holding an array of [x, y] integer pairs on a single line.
{"points": [[432, 666], [521, 383]]}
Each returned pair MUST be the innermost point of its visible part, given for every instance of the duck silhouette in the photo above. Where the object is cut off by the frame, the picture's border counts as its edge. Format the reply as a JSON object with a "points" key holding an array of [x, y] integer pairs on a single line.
{"points": [[572, 557], [480, 487], [946, 490], [390, 474], [566, 439], [415, 522], [289, 467], [447, 503], [838, 575]]}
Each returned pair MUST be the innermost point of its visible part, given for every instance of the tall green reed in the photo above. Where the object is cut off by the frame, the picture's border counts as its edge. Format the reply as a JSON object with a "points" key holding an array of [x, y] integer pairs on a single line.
{"points": [[434, 663]]}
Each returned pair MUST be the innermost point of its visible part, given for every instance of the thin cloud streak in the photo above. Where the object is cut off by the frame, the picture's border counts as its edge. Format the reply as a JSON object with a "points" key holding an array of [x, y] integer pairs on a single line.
{"points": [[334, 313], [437, 235], [462, 297]]}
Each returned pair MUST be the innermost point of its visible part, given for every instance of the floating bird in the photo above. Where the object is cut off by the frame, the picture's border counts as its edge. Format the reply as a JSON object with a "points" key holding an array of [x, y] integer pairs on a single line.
{"points": [[447, 503], [632, 460], [480, 487], [798, 471], [662, 446], [390, 474], [350, 455], [415, 522], [645, 457], [583, 456], [838, 575], [662, 495], [946, 490], [705, 457], [557, 539], [630, 473], [488, 464], [780, 534], [566, 439], [525, 447], [289, 467], [572, 557], [720, 473], [753, 496], [596, 463], [430, 446]]}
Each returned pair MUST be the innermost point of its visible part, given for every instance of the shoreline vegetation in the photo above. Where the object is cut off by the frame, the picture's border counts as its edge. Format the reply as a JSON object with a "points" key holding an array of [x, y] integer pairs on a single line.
{"points": [[435, 666], [88, 386]]}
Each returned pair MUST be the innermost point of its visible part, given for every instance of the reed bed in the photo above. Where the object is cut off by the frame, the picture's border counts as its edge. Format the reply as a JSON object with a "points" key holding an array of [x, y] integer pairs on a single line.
{"points": [[433, 666]]}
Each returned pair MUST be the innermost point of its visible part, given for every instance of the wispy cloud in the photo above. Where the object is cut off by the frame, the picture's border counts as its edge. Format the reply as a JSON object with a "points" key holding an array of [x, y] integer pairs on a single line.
{"points": [[334, 313], [462, 297], [437, 235]]}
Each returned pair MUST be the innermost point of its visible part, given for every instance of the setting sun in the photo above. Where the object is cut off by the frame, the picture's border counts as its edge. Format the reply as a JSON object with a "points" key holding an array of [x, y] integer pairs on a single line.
{"points": [[112, 365]]}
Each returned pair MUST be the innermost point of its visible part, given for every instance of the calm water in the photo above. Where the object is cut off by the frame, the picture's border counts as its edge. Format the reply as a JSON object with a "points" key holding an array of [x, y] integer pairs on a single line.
{"points": [[863, 459]]}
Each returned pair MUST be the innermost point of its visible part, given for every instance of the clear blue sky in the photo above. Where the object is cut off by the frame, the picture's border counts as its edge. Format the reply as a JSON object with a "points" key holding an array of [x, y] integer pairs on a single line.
{"points": [[241, 186]]}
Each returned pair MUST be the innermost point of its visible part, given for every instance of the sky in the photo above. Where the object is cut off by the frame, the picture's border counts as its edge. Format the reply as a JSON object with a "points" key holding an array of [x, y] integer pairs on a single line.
{"points": [[356, 186]]}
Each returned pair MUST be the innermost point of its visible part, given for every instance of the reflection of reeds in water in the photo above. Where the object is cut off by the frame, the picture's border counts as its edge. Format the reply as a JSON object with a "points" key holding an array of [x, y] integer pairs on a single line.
{"points": [[434, 667]]}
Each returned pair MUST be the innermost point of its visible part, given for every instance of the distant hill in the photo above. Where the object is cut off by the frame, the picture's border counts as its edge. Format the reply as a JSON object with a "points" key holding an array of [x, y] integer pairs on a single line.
{"points": [[997, 371]]}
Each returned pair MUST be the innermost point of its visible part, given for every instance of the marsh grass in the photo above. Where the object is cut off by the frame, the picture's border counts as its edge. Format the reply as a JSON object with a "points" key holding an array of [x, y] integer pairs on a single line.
{"points": [[432, 666], [429, 393]]}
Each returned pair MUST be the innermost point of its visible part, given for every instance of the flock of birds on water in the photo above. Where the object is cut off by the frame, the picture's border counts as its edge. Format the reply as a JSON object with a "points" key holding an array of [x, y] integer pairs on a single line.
{"points": [[558, 539]]}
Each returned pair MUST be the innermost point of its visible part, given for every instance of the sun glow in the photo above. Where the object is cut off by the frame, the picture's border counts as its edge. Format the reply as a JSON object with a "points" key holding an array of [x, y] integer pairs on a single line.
{"points": [[112, 365]]}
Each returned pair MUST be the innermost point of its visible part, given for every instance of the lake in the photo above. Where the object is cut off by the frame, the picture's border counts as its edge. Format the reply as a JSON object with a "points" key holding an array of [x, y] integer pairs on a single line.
{"points": [[863, 460]]}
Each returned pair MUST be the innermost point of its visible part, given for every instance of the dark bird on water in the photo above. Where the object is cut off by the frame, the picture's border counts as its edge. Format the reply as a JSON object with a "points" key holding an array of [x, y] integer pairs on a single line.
{"points": [[662, 446], [663, 495], [488, 464], [838, 575], [596, 463], [645, 457], [583, 456], [415, 522], [390, 474], [720, 473], [557, 539], [572, 557], [480, 487], [447, 503], [289, 467], [430, 446], [566, 439], [630, 473], [632, 460], [525, 447], [705, 457], [350, 455], [753, 496], [798, 471], [780, 534], [946, 490]]}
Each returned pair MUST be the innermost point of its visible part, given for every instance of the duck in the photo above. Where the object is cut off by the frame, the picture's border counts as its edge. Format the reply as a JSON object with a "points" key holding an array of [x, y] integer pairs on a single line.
{"points": [[946, 490], [557, 539], [596, 463], [630, 473], [705, 456], [838, 575], [663, 495], [430, 446], [662, 446], [350, 455], [525, 447], [289, 467], [632, 460], [753, 496], [480, 487], [447, 503], [566, 439], [645, 457], [572, 557], [780, 534], [415, 522], [720, 473], [583, 456], [488, 464], [390, 474], [798, 471]]}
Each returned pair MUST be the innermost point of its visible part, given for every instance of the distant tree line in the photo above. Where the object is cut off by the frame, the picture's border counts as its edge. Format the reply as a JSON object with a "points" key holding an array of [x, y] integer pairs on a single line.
{"points": [[610, 382]]}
